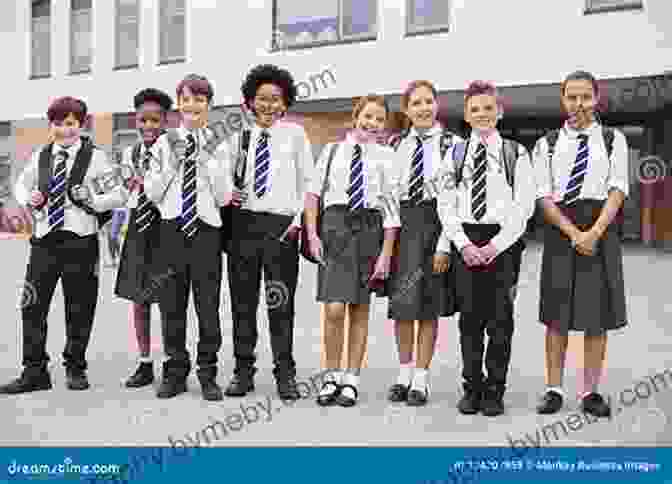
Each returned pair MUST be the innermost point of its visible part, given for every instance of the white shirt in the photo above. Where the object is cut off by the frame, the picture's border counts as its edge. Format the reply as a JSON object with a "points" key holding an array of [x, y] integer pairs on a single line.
{"points": [[75, 219], [601, 176], [511, 211], [291, 162], [378, 173], [127, 159], [433, 165], [163, 185]]}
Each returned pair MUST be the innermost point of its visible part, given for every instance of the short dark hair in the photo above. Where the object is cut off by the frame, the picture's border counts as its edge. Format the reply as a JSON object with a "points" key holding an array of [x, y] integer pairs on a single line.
{"points": [[269, 74], [581, 76], [61, 107], [197, 84], [154, 96]]}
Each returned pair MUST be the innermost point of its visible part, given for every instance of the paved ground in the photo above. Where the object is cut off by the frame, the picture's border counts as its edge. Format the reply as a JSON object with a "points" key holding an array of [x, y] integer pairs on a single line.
{"points": [[110, 415]]}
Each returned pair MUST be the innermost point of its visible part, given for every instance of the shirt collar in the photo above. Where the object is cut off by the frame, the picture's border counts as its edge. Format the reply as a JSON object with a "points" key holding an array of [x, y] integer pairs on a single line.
{"points": [[430, 133], [256, 129], [198, 133], [495, 144], [70, 149]]}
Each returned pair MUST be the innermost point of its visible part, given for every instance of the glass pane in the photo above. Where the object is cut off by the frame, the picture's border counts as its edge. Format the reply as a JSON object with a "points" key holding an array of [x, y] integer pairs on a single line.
{"points": [[306, 21], [40, 8], [81, 4], [429, 13], [41, 47], [127, 32], [359, 17], [81, 40], [172, 30], [612, 3], [5, 130]]}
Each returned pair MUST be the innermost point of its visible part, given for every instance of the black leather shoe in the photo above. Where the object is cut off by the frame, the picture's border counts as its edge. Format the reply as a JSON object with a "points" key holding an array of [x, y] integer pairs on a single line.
{"points": [[239, 386], [397, 393], [76, 379], [344, 400], [143, 376], [550, 403], [328, 399], [29, 381], [594, 404], [171, 387], [417, 398], [470, 403], [493, 402], [287, 388], [211, 391]]}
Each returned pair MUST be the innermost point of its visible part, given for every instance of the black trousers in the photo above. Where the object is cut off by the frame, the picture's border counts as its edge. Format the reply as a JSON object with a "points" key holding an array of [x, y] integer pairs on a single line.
{"points": [[73, 259], [255, 246], [185, 264]]}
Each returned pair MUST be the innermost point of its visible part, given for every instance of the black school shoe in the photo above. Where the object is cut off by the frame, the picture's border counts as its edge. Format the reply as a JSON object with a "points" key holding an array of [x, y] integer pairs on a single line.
{"points": [[143, 376], [328, 399], [493, 402], [418, 398], [470, 403], [550, 403], [286, 387], [76, 379], [344, 400], [594, 404], [398, 393], [30, 381], [240, 385]]}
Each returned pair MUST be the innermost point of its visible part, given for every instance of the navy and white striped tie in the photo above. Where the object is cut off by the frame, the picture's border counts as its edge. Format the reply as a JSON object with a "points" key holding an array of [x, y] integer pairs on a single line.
{"points": [[356, 188], [262, 163], [578, 172], [189, 216], [56, 208], [144, 213], [478, 188], [417, 177]]}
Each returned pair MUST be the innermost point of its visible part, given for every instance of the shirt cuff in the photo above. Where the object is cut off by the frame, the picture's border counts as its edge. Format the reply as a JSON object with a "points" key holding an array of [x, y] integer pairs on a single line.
{"points": [[544, 191], [619, 185], [296, 222]]}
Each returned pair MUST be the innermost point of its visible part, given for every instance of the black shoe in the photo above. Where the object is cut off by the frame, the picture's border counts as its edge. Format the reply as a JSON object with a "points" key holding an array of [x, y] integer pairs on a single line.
{"points": [[76, 379], [328, 399], [417, 398], [143, 376], [287, 388], [493, 402], [240, 385], [470, 403], [344, 400], [550, 403], [211, 391], [29, 381], [594, 404], [171, 387], [398, 393]]}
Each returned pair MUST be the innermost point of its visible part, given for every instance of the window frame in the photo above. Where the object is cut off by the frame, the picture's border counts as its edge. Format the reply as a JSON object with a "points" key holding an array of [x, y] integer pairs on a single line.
{"points": [[31, 72], [117, 64], [277, 46], [81, 70], [625, 5], [161, 60], [415, 30]]}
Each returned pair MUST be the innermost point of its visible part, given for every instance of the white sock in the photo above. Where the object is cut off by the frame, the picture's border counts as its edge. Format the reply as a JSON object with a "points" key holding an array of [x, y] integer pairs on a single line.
{"points": [[350, 379], [145, 359], [420, 379], [557, 390], [405, 375]]}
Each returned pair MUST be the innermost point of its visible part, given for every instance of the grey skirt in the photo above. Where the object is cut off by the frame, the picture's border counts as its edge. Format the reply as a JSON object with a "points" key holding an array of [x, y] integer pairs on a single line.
{"points": [[414, 291], [582, 293], [352, 242]]}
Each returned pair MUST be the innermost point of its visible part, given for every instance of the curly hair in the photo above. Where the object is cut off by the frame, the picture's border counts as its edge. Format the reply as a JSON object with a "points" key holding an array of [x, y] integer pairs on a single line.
{"points": [[154, 96], [269, 74]]}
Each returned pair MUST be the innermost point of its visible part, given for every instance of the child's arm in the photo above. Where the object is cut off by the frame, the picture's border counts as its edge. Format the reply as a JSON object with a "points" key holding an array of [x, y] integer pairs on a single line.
{"points": [[115, 198], [219, 173], [447, 206], [304, 169], [27, 181], [161, 174]]}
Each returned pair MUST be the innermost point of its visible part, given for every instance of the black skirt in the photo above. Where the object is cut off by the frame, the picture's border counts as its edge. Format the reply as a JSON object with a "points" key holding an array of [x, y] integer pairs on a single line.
{"points": [[352, 242], [486, 293], [415, 292], [136, 275], [582, 293]]}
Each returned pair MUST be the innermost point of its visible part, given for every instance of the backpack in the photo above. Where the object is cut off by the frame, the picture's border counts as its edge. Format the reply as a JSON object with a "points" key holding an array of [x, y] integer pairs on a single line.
{"points": [[445, 143], [510, 154], [240, 168], [76, 176]]}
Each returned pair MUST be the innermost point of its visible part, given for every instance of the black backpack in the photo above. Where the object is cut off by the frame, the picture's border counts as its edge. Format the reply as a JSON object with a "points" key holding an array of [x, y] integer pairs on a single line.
{"points": [[238, 179], [76, 177]]}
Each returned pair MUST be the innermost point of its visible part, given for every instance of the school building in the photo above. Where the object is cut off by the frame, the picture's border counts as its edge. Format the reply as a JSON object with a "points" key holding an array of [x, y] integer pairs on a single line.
{"points": [[104, 51]]}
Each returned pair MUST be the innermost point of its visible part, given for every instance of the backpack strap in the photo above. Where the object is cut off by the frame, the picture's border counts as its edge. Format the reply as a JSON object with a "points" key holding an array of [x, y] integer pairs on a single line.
{"points": [[459, 162], [45, 168], [608, 135], [241, 163], [79, 169], [510, 154], [397, 139], [325, 182], [445, 142]]}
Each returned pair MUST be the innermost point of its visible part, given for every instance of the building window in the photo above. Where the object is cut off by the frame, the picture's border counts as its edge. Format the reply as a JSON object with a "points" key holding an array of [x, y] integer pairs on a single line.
{"points": [[127, 33], [5, 129], [598, 6], [301, 24], [80, 36], [172, 42], [427, 16], [40, 38]]}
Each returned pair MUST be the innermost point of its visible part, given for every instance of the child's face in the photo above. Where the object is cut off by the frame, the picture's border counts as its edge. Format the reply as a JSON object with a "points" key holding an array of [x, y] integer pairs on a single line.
{"points": [[481, 112], [579, 101], [66, 132], [422, 107], [370, 123], [194, 108], [150, 119], [269, 105]]}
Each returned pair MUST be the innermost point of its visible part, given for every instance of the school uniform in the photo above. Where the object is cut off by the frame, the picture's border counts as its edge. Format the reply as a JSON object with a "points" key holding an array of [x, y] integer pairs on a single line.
{"points": [[484, 208], [190, 255], [416, 293], [136, 278], [275, 178], [64, 246], [582, 293], [354, 218]]}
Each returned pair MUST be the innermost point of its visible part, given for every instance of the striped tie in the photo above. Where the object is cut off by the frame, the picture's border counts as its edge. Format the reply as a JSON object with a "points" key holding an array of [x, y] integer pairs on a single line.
{"points": [[417, 178], [189, 216], [478, 193], [356, 189], [262, 162], [578, 172], [144, 213], [57, 193]]}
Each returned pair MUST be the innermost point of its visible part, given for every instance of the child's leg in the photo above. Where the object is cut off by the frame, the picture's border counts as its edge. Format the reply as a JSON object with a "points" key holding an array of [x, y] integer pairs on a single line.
{"points": [[405, 335], [333, 338], [595, 348], [141, 322], [358, 337], [427, 332], [556, 349]]}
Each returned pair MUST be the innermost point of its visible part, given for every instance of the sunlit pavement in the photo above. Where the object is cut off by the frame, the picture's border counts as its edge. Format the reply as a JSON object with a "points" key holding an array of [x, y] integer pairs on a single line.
{"points": [[109, 414]]}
